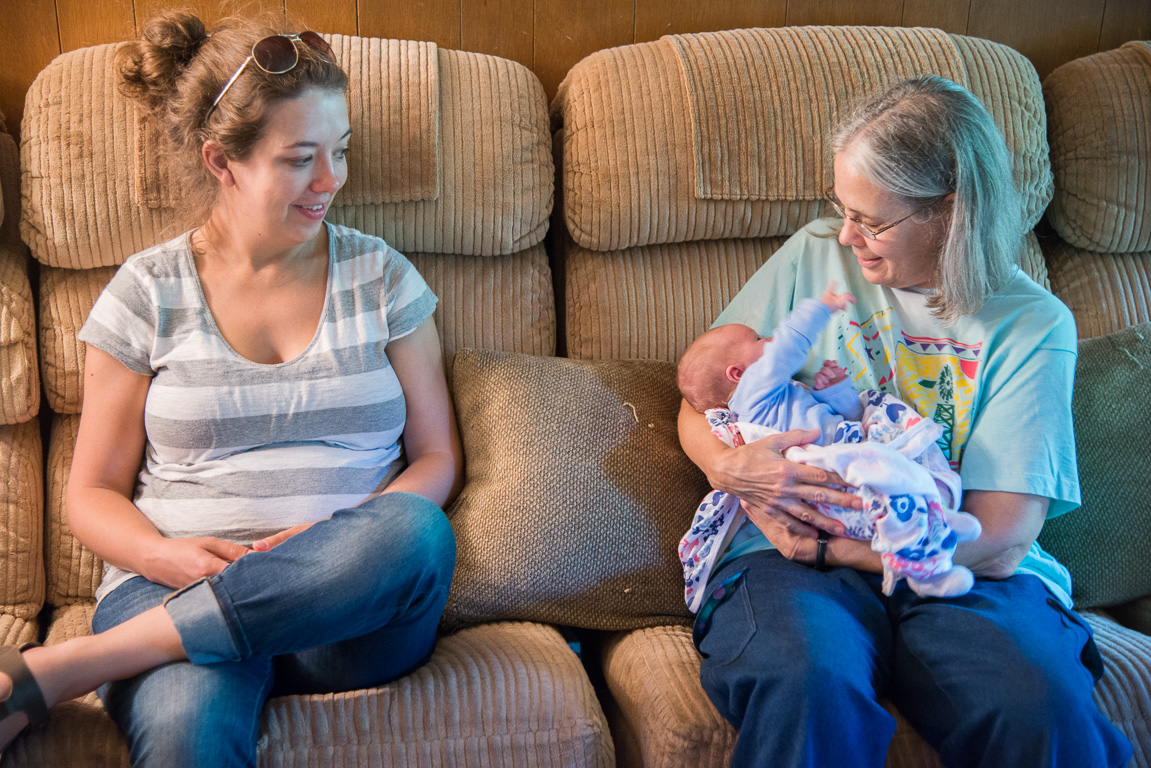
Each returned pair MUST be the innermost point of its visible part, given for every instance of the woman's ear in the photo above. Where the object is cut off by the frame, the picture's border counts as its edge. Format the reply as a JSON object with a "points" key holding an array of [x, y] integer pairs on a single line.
{"points": [[217, 162]]}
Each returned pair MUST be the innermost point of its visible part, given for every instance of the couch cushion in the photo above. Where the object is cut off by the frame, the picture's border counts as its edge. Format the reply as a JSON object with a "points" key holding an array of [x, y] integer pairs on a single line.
{"points": [[629, 132], [22, 516], [1098, 110], [73, 571], [19, 375], [510, 694], [504, 304], [653, 676], [86, 206], [1106, 543], [653, 301], [577, 492], [1105, 292]]}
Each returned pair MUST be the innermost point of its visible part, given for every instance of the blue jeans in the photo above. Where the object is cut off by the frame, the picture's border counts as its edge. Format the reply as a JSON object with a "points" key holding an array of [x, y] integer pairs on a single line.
{"points": [[352, 602], [796, 660]]}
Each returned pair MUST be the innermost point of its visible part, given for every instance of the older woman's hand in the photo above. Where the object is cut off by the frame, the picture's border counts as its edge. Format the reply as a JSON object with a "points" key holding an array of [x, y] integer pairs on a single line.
{"points": [[780, 489]]}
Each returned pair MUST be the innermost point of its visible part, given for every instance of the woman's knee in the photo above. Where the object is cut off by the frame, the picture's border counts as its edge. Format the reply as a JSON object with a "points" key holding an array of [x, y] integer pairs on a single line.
{"points": [[409, 530]]}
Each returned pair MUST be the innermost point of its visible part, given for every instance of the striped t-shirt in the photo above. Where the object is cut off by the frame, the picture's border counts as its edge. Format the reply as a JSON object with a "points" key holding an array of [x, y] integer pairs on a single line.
{"points": [[241, 450]]}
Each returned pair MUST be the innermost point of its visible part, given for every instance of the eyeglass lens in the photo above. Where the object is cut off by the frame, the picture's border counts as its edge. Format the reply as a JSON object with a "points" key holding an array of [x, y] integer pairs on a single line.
{"points": [[277, 54]]}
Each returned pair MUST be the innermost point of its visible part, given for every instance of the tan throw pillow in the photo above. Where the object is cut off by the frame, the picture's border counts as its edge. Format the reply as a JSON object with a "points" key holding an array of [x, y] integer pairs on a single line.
{"points": [[577, 492]]}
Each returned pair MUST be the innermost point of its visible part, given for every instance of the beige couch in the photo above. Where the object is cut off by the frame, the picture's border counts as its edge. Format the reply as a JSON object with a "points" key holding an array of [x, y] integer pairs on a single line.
{"points": [[574, 476]]}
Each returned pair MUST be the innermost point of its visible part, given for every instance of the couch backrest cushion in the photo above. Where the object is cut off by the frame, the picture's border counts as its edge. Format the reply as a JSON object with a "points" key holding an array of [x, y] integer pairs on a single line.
{"points": [[450, 154], [19, 377], [1105, 291], [21, 520], [1099, 113], [653, 301], [726, 134]]}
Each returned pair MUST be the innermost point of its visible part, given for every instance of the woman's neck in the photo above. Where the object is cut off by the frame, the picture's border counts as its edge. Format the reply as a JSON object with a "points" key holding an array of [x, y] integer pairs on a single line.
{"points": [[227, 245]]}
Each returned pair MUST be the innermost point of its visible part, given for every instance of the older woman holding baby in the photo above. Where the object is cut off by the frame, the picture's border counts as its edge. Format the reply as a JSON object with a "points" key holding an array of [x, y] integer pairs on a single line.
{"points": [[797, 656]]}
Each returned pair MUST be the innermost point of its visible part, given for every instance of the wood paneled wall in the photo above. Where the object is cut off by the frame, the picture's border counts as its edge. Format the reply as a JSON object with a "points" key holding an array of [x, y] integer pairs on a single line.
{"points": [[549, 36]]}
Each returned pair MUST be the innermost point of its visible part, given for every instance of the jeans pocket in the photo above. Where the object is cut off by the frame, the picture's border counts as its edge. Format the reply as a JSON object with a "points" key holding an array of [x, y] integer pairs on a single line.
{"points": [[725, 623]]}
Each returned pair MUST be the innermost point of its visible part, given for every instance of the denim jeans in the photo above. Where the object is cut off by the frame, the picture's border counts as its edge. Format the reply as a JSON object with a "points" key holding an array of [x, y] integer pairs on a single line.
{"points": [[797, 659], [352, 602]]}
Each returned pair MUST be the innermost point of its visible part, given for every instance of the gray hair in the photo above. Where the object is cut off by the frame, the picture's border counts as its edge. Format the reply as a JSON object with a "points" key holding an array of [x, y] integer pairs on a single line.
{"points": [[928, 137]]}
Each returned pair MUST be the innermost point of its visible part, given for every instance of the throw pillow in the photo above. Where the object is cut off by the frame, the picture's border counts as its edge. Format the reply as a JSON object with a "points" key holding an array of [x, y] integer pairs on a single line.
{"points": [[577, 492], [1106, 543]]}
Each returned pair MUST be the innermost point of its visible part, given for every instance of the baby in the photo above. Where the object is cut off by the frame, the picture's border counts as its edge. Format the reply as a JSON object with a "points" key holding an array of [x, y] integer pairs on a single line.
{"points": [[876, 442]]}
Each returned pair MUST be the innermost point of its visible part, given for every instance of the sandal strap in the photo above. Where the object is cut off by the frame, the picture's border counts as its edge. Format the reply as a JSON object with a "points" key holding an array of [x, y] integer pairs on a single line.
{"points": [[26, 694]]}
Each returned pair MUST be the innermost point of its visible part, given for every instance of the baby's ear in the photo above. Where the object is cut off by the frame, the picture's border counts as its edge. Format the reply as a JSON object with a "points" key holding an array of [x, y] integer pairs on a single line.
{"points": [[734, 372]]}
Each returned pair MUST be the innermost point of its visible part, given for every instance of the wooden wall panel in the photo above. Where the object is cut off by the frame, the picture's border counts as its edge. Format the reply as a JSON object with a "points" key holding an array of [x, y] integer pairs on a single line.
{"points": [[333, 17], [655, 18], [93, 22], [564, 36], [499, 27], [1125, 20], [880, 13], [948, 15], [1049, 32], [435, 20], [24, 55], [209, 11], [552, 35]]}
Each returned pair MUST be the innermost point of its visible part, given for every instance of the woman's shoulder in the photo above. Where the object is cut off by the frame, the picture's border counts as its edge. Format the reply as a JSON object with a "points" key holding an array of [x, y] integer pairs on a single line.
{"points": [[1029, 308], [348, 243], [166, 259]]}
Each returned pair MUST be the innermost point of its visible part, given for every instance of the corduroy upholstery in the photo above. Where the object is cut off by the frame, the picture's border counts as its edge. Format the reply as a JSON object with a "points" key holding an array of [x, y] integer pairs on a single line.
{"points": [[628, 128], [21, 456], [451, 164], [1098, 111], [685, 163], [19, 378], [509, 694]]}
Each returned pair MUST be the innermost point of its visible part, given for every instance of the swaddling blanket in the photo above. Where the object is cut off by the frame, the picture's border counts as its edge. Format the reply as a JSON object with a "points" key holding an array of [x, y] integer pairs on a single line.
{"points": [[908, 489]]}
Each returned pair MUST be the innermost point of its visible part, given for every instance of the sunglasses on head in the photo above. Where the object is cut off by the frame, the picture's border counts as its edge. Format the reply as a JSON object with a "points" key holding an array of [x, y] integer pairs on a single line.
{"points": [[276, 54]]}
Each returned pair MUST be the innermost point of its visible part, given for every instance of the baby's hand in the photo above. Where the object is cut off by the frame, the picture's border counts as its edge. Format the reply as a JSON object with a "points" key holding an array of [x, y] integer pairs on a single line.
{"points": [[837, 302], [829, 375]]}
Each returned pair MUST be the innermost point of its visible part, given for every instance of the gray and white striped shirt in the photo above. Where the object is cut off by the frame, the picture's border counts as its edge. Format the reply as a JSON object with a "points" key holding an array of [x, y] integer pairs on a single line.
{"points": [[241, 450]]}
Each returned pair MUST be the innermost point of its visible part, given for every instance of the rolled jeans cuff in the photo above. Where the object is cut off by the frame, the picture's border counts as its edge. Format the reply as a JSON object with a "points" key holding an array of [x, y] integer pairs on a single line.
{"points": [[201, 624]]}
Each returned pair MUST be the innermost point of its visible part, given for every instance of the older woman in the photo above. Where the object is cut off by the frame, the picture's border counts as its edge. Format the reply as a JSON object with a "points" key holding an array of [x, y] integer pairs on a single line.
{"points": [[266, 439], [798, 642]]}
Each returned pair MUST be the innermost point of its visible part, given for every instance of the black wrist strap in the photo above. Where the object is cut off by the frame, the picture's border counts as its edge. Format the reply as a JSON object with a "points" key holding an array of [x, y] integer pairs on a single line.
{"points": [[821, 551]]}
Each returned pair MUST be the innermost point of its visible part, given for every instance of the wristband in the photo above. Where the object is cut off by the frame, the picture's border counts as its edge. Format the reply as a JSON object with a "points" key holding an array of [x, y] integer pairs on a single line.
{"points": [[821, 551]]}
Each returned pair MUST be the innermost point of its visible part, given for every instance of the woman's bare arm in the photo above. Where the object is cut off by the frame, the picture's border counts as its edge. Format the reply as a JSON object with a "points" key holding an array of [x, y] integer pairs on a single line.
{"points": [[105, 465], [431, 440]]}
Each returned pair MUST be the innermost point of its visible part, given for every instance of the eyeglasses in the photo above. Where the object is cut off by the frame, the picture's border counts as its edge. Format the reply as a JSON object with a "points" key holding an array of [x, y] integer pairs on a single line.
{"points": [[276, 54], [866, 231]]}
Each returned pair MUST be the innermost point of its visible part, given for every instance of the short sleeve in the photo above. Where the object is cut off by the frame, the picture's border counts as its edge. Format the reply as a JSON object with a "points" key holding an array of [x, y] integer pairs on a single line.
{"points": [[1022, 439], [410, 302], [124, 319]]}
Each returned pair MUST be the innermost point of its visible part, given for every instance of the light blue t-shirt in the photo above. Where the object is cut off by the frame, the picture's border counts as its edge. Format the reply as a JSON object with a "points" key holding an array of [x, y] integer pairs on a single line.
{"points": [[999, 382]]}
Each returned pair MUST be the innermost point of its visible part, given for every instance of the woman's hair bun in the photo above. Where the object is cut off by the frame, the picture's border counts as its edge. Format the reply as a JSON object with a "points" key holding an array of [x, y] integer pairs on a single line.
{"points": [[151, 66]]}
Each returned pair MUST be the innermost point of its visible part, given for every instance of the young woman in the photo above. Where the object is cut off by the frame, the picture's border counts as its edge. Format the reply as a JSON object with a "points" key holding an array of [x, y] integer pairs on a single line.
{"points": [[798, 641], [267, 438]]}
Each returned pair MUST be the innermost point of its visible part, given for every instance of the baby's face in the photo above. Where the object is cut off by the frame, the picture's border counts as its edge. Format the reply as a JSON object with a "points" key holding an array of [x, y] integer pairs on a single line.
{"points": [[744, 345]]}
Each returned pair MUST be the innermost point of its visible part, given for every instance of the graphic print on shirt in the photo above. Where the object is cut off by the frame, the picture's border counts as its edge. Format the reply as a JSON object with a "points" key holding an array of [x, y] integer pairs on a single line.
{"points": [[868, 347], [936, 375], [940, 378]]}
